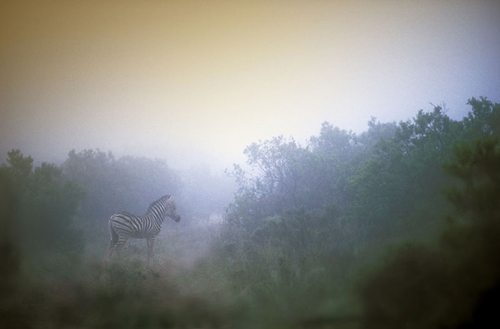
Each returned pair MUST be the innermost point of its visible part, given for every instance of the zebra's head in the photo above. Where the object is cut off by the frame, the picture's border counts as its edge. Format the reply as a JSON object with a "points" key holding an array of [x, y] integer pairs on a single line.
{"points": [[171, 209]]}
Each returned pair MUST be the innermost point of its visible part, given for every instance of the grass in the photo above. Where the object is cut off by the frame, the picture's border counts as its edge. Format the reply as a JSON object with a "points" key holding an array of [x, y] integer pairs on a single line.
{"points": [[199, 281], [265, 287]]}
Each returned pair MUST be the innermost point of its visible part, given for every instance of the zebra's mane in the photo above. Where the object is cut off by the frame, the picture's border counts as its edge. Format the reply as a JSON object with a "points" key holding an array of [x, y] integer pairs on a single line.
{"points": [[156, 202]]}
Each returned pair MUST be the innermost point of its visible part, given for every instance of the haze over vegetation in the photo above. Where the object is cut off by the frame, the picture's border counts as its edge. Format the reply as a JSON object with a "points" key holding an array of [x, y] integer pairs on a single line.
{"points": [[360, 142]]}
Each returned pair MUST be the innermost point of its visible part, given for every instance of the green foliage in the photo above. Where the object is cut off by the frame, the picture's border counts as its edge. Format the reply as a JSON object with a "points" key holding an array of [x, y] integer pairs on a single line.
{"points": [[128, 297], [92, 170], [398, 190], [456, 285], [280, 172], [386, 182], [45, 206], [484, 119], [9, 251], [285, 175], [118, 297], [292, 267], [335, 156], [49, 206], [477, 167], [385, 185], [36, 221], [20, 166], [282, 229]]}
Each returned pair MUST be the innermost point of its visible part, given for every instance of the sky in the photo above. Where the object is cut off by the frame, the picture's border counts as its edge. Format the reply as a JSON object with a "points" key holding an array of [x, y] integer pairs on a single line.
{"points": [[195, 82]]}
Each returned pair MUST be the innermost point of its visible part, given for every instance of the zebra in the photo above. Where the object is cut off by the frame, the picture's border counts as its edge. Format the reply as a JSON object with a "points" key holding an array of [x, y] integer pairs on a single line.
{"points": [[123, 226]]}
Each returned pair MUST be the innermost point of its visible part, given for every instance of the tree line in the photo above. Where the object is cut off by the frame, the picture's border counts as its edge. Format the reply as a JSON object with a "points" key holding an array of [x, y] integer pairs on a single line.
{"points": [[384, 183]]}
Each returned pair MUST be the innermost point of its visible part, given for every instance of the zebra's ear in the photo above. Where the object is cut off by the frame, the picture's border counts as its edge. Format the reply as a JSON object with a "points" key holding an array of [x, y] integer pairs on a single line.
{"points": [[170, 198]]}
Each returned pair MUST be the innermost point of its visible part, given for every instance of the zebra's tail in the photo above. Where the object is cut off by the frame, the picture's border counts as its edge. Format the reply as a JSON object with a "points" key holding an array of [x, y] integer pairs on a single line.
{"points": [[112, 242]]}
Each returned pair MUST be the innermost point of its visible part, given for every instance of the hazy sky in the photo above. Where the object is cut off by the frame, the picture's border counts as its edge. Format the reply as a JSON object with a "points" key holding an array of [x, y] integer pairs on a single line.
{"points": [[179, 79]]}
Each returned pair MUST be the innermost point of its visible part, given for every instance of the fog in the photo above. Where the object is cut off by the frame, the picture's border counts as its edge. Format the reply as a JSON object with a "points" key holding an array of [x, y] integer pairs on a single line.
{"points": [[188, 81], [334, 164]]}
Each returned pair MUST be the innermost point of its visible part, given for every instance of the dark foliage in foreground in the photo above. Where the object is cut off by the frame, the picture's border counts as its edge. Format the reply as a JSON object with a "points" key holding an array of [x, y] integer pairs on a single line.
{"points": [[457, 284]]}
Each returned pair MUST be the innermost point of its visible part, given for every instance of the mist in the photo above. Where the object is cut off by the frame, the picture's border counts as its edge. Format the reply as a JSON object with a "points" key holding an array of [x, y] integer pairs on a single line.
{"points": [[332, 163], [190, 82]]}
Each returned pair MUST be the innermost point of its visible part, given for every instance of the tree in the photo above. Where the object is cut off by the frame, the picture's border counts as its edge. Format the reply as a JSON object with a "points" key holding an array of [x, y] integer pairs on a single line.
{"points": [[93, 171], [278, 180], [396, 192], [457, 284], [20, 166], [46, 206], [484, 119], [477, 167], [335, 156]]}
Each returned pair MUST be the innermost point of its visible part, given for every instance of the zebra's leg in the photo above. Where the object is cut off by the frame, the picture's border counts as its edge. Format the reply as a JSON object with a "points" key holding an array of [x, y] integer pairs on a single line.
{"points": [[111, 248], [151, 251], [119, 245], [112, 244]]}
